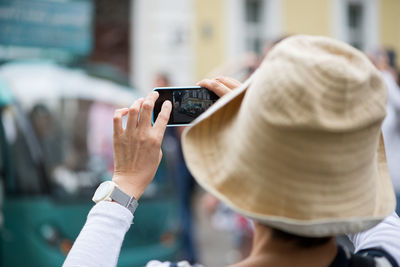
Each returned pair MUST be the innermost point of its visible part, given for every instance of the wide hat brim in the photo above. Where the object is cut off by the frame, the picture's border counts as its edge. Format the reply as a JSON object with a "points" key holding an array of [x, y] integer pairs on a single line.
{"points": [[308, 207]]}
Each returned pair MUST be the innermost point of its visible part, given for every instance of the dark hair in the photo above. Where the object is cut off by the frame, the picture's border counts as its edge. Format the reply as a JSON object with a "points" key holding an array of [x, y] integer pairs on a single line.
{"points": [[300, 241]]}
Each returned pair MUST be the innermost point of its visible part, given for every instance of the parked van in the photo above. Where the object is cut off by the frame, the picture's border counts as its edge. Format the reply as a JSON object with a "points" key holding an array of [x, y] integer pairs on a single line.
{"points": [[55, 149]]}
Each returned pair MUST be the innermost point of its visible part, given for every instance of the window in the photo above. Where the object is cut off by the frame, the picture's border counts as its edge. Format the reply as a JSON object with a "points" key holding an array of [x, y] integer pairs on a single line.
{"points": [[254, 18], [253, 10], [355, 19], [356, 22], [22, 171]]}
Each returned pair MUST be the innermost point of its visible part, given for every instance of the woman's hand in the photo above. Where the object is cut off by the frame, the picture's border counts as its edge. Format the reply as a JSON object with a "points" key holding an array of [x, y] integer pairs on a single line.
{"points": [[221, 85], [137, 149]]}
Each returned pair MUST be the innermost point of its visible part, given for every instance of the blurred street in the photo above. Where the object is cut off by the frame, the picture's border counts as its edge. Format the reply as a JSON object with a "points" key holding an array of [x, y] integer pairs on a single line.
{"points": [[215, 247]]}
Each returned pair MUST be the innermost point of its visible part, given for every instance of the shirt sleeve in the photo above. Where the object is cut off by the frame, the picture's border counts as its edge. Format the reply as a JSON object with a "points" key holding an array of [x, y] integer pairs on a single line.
{"points": [[385, 235], [100, 240], [393, 90]]}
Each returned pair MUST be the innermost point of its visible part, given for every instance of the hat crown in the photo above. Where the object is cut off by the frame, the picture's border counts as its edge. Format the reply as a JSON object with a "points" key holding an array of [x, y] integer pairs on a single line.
{"points": [[321, 84]]}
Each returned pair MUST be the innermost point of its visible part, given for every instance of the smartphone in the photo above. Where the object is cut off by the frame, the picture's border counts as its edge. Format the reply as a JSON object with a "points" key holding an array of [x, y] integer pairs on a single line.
{"points": [[187, 103]]}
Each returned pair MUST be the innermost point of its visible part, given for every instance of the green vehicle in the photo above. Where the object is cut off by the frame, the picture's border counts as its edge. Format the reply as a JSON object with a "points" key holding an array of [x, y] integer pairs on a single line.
{"points": [[55, 148]]}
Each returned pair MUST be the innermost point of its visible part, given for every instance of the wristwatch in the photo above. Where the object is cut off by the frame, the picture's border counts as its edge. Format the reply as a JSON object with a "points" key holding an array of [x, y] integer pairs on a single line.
{"points": [[109, 191]]}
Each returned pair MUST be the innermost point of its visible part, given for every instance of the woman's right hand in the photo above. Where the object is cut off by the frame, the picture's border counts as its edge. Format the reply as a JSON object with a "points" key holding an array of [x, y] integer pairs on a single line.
{"points": [[137, 148], [220, 85]]}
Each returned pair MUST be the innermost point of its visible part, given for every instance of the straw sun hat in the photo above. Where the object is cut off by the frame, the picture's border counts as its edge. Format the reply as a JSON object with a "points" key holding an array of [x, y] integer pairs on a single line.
{"points": [[298, 147]]}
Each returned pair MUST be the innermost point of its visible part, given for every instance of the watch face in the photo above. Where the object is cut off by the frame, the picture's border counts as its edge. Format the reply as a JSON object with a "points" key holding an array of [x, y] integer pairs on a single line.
{"points": [[102, 191]]}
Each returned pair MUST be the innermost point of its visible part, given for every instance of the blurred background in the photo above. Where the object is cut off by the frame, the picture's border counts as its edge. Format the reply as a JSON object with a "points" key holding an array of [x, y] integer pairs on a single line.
{"points": [[65, 65]]}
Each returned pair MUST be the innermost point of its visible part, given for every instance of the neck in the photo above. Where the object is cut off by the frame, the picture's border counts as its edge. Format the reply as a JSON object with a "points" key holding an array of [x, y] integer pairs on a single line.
{"points": [[270, 251]]}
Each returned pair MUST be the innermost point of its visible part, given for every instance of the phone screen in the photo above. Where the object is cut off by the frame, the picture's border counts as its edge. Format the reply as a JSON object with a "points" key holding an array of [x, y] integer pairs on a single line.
{"points": [[187, 103]]}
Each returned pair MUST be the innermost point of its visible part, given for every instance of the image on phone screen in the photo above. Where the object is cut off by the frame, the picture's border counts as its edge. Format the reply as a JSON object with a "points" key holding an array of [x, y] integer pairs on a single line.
{"points": [[187, 103]]}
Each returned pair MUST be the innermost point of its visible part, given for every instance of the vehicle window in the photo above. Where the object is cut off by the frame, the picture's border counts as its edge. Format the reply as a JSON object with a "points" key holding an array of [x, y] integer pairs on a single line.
{"points": [[2, 147], [2, 155], [23, 175], [76, 141], [85, 158], [64, 147]]}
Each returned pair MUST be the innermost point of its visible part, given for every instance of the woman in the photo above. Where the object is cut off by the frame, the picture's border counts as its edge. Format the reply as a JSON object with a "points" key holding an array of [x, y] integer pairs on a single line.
{"points": [[296, 148]]}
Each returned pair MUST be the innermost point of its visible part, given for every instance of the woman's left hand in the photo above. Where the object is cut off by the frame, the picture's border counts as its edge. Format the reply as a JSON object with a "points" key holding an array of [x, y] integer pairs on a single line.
{"points": [[221, 85], [137, 149]]}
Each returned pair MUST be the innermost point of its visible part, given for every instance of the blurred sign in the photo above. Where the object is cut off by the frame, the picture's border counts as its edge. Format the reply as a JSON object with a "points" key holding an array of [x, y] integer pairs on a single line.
{"points": [[63, 25]]}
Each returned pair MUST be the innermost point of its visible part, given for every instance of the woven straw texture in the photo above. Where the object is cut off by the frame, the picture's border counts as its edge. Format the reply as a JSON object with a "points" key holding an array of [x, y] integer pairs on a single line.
{"points": [[299, 149]]}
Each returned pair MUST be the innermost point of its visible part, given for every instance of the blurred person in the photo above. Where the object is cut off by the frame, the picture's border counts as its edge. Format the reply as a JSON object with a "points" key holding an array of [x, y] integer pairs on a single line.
{"points": [[240, 68], [392, 57], [184, 180], [56, 165], [385, 60], [240, 228], [297, 148], [391, 124], [48, 134]]}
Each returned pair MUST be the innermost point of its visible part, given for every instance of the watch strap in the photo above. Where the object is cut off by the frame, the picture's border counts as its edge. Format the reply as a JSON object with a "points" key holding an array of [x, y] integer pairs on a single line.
{"points": [[124, 199]]}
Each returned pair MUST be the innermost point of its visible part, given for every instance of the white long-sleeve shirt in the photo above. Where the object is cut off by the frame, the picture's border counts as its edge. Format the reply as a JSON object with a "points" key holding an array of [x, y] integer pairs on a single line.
{"points": [[391, 129], [99, 243], [100, 240]]}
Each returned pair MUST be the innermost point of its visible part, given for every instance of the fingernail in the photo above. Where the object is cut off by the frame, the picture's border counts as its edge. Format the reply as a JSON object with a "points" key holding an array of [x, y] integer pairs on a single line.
{"points": [[167, 103]]}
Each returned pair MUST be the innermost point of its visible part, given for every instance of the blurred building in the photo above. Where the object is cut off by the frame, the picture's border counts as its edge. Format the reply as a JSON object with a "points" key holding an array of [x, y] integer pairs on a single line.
{"points": [[111, 44], [189, 38], [162, 41], [184, 38]]}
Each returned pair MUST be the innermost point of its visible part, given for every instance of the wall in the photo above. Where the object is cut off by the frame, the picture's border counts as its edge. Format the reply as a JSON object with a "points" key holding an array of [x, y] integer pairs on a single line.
{"points": [[209, 35], [389, 19], [307, 17]]}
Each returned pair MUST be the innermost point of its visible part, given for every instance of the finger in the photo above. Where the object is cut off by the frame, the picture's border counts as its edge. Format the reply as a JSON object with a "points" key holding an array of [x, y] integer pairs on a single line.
{"points": [[117, 120], [133, 114], [218, 88], [162, 119], [229, 82], [147, 109]]}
